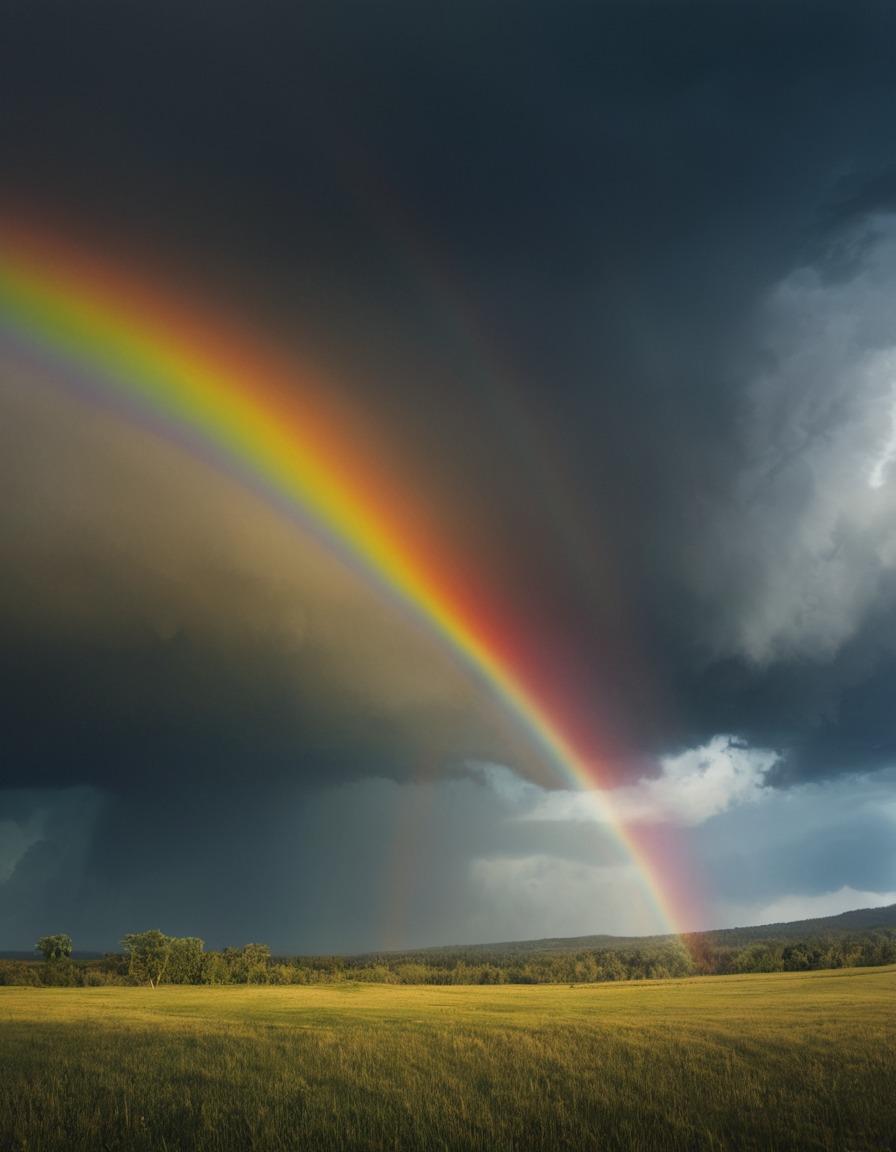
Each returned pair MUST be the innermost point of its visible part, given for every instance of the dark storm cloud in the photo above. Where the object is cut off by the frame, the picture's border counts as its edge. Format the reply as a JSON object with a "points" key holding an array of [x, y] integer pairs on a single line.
{"points": [[162, 627], [577, 258], [141, 713]]}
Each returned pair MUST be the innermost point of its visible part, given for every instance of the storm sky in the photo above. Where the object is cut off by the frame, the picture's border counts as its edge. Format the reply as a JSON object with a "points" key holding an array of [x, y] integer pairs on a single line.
{"points": [[611, 288]]}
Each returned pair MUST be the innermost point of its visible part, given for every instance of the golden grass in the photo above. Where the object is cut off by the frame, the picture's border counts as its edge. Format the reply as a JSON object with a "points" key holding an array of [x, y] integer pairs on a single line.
{"points": [[774, 1062]]}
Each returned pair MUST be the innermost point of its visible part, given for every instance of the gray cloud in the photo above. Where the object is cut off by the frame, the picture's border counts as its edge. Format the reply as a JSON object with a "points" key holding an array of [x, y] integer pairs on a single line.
{"points": [[805, 548], [377, 864], [46, 840], [367, 864], [617, 279]]}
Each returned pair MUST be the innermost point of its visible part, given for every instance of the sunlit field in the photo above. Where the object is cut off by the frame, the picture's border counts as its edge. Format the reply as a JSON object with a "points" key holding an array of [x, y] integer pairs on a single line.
{"points": [[771, 1062]]}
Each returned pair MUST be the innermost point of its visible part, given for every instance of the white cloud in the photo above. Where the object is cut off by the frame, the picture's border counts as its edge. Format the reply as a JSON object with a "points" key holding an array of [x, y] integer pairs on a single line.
{"points": [[801, 548], [515, 792], [692, 787]]}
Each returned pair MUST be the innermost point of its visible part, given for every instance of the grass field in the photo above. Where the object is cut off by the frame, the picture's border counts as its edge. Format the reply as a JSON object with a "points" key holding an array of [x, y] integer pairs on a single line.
{"points": [[771, 1062]]}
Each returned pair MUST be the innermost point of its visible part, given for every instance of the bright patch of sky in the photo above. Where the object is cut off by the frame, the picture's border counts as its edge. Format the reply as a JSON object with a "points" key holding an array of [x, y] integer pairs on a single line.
{"points": [[809, 907]]}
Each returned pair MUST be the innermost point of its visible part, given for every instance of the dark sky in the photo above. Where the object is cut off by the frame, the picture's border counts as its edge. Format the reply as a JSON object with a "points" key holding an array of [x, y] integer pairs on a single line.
{"points": [[612, 286]]}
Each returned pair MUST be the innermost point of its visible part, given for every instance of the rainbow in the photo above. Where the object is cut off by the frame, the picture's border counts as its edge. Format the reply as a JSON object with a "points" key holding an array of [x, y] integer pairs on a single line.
{"points": [[232, 392]]}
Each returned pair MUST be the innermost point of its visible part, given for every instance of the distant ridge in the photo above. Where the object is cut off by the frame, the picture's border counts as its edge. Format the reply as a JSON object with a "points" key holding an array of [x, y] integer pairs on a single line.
{"points": [[857, 920], [861, 919]]}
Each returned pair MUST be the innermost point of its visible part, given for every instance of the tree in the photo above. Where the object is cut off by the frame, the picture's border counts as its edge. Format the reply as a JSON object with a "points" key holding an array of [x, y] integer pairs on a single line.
{"points": [[54, 947], [257, 958], [148, 954], [185, 960], [249, 964], [215, 969]]}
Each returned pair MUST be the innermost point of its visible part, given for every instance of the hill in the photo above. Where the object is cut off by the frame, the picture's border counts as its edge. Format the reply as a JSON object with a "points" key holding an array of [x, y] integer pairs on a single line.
{"points": [[859, 920]]}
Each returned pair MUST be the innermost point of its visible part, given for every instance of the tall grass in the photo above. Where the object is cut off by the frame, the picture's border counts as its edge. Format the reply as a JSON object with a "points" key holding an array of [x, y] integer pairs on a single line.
{"points": [[774, 1062]]}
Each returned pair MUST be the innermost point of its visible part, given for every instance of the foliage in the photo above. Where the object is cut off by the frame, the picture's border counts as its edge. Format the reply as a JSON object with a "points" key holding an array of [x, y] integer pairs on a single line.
{"points": [[185, 960], [54, 947], [171, 960], [247, 965], [148, 953]]}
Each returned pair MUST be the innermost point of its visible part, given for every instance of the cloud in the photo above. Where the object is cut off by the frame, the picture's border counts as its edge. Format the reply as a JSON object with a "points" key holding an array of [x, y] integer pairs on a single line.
{"points": [[161, 621], [45, 843], [16, 837], [878, 475], [692, 787], [439, 861], [620, 291], [358, 865], [377, 863], [807, 539], [542, 895]]}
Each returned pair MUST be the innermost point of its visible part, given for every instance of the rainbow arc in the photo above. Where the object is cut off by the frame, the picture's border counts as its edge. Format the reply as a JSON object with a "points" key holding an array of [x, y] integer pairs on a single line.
{"points": [[271, 420]]}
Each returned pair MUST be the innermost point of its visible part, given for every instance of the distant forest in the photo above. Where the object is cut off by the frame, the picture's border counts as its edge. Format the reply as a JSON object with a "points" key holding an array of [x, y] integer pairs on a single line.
{"points": [[853, 940]]}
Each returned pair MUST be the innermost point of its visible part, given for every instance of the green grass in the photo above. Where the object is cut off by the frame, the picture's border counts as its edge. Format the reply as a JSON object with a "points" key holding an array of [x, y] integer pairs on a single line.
{"points": [[772, 1062]]}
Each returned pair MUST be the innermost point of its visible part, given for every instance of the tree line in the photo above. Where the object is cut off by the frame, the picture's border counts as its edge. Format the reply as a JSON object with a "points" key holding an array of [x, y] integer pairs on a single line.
{"points": [[152, 958]]}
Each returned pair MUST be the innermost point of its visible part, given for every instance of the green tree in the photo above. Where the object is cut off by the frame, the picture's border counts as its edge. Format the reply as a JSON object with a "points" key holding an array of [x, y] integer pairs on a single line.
{"points": [[185, 961], [257, 958], [54, 947], [215, 969], [148, 953], [249, 964]]}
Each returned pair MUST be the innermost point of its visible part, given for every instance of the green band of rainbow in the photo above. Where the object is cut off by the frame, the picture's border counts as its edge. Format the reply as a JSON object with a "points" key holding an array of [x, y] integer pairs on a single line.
{"points": [[270, 418]]}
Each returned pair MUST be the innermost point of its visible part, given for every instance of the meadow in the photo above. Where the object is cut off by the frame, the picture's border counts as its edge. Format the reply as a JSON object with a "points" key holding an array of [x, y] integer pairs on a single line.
{"points": [[776, 1062]]}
